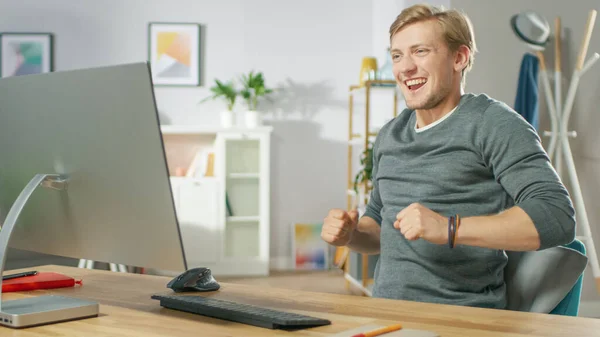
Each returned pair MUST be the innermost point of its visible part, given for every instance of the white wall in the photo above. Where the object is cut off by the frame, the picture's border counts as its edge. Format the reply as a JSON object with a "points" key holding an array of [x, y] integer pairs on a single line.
{"points": [[311, 48], [496, 72]]}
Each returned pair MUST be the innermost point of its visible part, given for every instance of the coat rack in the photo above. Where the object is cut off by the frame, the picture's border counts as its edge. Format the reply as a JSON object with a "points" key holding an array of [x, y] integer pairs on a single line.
{"points": [[558, 148]]}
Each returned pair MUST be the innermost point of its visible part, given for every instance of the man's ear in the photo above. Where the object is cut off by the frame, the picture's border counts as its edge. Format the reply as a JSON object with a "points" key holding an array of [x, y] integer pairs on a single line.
{"points": [[461, 58]]}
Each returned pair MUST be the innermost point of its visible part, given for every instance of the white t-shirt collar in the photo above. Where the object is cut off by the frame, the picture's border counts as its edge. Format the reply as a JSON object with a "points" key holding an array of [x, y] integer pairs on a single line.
{"points": [[427, 127]]}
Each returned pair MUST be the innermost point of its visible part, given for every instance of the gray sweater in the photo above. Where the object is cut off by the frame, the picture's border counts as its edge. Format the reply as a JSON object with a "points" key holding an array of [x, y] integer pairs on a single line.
{"points": [[480, 159]]}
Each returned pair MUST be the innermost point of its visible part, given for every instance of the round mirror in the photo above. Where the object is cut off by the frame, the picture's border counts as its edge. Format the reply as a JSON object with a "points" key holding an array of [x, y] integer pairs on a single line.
{"points": [[532, 28]]}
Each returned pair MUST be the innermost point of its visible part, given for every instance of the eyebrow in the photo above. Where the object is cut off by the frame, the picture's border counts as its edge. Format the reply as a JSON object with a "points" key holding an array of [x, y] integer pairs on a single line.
{"points": [[413, 47]]}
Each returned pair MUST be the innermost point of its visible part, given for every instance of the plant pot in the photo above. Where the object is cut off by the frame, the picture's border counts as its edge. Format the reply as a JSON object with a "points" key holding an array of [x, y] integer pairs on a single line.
{"points": [[252, 119], [227, 119]]}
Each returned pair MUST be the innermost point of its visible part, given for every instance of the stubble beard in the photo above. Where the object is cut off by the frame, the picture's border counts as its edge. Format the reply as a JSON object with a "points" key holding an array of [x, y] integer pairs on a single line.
{"points": [[430, 102]]}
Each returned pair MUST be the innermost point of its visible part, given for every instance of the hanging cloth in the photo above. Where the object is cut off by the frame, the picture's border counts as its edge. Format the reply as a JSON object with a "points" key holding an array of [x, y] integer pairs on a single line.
{"points": [[526, 102]]}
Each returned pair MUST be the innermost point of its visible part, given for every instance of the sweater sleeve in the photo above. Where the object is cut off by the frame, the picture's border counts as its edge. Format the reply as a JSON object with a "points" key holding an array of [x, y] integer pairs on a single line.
{"points": [[373, 209], [512, 149]]}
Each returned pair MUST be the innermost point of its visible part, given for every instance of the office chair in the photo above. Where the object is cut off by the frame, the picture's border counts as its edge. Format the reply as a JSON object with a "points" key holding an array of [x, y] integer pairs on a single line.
{"points": [[546, 281], [569, 306]]}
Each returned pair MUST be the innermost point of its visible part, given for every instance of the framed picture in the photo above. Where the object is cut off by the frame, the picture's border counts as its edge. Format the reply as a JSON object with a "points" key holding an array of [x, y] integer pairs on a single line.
{"points": [[174, 53], [309, 251], [25, 54]]}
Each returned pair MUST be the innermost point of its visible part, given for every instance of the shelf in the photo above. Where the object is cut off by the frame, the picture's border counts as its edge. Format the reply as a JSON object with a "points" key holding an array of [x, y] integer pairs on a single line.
{"points": [[230, 209], [374, 88], [243, 176], [371, 134], [243, 259], [366, 104], [242, 240], [361, 141], [249, 218], [242, 156], [379, 84], [352, 192], [208, 129], [191, 179], [359, 138], [244, 197]]}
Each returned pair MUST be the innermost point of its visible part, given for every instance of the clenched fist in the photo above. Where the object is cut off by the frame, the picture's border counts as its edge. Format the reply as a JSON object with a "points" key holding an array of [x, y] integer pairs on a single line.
{"points": [[339, 226], [419, 222]]}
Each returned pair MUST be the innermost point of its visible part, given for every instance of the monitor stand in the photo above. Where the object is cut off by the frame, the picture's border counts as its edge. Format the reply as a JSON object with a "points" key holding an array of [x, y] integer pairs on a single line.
{"points": [[37, 310]]}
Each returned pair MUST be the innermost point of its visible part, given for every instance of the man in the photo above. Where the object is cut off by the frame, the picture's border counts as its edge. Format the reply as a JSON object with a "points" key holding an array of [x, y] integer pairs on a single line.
{"points": [[457, 178]]}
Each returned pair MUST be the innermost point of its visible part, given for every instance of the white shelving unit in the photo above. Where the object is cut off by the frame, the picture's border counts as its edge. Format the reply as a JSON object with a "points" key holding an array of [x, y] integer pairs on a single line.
{"points": [[230, 240]]}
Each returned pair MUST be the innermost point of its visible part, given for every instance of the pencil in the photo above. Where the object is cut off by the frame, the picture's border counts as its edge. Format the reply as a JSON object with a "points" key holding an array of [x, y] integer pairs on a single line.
{"points": [[379, 331]]}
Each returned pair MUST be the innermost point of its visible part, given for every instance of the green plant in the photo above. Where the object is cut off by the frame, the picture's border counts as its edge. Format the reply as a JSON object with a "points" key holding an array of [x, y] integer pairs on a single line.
{"points": [[253, 88], [365, 174], [225, 91]]}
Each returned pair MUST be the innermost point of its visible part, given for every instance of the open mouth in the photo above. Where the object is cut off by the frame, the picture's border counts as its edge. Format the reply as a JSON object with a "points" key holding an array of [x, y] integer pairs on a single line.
{"points": [[415, 84]]}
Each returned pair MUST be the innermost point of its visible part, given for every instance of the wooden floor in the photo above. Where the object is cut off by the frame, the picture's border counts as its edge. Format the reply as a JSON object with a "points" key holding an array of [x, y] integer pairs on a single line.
{"points": [[331, 281]]}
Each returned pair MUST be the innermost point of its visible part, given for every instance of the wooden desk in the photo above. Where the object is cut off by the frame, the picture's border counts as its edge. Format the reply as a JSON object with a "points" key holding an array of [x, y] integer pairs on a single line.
{"points": [[126, 309]]}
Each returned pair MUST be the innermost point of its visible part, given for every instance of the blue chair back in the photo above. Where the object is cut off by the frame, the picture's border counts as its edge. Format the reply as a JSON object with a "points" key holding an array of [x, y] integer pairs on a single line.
{"points": [[546, 281], [569, 306]]}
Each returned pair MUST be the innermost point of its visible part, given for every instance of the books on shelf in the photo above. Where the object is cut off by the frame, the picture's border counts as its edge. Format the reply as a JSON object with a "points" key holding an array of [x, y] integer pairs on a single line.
{"points": [[203, 164], [228, 205]]}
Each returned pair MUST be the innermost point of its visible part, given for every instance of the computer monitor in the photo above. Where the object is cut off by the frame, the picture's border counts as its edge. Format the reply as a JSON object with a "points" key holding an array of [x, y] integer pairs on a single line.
{"points": [[98, 128]]}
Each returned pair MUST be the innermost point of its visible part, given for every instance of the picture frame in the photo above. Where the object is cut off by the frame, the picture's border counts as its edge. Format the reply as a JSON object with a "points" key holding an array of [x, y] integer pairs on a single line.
{"points": [[309, 251], [174, 53], [23, 53]]}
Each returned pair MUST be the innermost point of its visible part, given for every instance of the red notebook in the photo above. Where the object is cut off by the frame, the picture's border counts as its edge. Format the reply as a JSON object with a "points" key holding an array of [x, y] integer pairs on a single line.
{"points": [[42, 280]]}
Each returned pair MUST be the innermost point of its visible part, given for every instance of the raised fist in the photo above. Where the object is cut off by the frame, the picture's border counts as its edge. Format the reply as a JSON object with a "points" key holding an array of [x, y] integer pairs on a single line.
{"points": [[339, 226]]}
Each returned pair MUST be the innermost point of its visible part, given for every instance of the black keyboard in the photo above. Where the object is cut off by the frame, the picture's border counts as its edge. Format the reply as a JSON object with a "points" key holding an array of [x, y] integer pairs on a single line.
{"points": [[241, 313]]}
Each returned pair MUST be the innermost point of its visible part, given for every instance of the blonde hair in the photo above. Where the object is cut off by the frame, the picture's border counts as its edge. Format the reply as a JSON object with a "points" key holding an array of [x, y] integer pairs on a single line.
{"points": [[456, 27]]}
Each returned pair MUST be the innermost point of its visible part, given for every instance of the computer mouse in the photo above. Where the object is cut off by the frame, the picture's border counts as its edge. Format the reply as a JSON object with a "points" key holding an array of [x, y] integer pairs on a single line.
{"points": [[195, 279]]}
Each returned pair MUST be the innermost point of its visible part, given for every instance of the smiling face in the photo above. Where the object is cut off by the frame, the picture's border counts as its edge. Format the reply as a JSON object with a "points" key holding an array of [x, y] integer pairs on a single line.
{"points": [[427, 71]]}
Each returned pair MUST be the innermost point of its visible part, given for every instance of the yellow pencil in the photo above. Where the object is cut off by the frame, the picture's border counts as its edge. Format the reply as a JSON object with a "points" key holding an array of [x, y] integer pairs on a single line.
{"points": [[379, 331]]}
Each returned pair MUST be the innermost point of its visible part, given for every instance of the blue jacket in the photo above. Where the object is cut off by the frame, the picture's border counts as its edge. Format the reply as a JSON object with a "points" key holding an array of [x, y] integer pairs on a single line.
{"points": [[526, 102]]}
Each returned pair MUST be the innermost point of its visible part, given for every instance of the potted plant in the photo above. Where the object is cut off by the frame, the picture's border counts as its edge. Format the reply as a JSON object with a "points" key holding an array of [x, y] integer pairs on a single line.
{"points": [[226, 92], [253, 88], [364, 176]]}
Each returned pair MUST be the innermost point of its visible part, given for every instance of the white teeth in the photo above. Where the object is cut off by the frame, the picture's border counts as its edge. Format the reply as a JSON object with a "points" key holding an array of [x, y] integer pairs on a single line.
{"points": [[416, 81]]}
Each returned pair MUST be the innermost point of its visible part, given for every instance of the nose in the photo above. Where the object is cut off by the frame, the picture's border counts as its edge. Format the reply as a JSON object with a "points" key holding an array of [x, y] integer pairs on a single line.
{"points": [[405, 67]]}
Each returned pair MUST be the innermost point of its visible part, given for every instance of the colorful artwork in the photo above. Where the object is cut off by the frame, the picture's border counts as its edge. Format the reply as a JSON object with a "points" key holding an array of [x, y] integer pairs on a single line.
{"points": [[309, 250], [25, 54], [175, 53]]}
